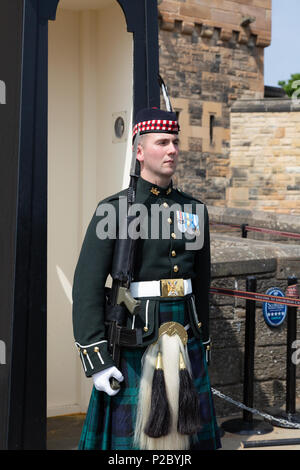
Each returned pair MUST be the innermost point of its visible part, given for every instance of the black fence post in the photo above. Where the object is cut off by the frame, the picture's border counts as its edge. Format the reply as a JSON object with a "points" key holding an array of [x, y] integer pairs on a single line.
{"points": [[290, 413], [249, 350], [247, 425], [290, 366], [291, 336], [244, 230]]}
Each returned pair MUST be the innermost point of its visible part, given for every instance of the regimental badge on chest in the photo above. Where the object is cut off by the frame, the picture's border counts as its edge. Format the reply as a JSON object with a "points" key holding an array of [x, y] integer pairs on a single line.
{"points": [[188, 222]]}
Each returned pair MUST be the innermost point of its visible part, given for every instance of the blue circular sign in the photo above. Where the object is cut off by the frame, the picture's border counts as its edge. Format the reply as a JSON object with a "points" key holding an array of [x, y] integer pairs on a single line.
{"points": [[274, 314]]}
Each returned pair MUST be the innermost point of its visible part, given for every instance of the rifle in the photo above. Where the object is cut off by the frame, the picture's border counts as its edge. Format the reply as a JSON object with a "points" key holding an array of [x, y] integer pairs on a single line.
{"points": [[119, 299]]}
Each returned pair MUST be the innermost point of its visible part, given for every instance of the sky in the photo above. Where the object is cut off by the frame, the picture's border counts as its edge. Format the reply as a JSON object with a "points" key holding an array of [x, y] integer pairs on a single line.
{"points": [[282, 58]]}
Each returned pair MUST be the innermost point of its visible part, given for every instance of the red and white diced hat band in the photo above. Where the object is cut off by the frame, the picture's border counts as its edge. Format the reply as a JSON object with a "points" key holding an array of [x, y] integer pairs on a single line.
{"points": [[155, 120], [156, 125]]}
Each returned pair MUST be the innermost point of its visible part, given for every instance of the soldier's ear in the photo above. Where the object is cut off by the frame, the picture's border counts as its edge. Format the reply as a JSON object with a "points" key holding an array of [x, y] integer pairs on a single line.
{"points": [[140, 153]]}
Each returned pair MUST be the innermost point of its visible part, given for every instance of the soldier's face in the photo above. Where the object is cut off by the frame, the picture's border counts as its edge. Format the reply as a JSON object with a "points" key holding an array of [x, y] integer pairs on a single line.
{"points": [[158, 154]]}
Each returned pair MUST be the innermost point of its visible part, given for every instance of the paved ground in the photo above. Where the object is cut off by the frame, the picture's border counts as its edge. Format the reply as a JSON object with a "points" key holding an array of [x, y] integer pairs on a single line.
{"points": [[64, 433], [235, 441]]}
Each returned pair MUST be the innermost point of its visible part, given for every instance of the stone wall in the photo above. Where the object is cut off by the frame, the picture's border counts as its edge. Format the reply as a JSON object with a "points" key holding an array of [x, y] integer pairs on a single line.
{"points": [[226, 15], [229, 220], [265, 156], [208, 61], [233, 260]]}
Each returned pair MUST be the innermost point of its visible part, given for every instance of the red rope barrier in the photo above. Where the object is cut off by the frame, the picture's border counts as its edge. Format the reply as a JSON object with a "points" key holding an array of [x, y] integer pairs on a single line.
{"points": [[258, 229], [292, 302], [277, 232]]}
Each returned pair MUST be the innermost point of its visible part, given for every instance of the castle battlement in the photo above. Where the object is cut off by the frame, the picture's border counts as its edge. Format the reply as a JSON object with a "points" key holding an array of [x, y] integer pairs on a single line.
{"points": [[235, 20]]}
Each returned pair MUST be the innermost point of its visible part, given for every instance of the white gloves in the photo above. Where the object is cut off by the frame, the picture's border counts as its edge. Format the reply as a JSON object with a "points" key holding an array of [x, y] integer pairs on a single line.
{"points": [[101, 380]]}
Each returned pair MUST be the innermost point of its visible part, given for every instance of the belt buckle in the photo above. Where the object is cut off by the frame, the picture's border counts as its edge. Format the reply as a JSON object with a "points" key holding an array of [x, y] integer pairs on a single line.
{"points": [[172, 287]]}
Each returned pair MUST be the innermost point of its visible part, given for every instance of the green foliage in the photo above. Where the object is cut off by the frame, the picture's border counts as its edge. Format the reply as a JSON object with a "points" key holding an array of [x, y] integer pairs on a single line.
{"points": [[291, 85]]}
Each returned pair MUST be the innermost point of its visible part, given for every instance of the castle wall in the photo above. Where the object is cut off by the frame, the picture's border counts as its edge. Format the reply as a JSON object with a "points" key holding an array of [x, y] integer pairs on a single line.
{"points": [[233, 260], [265, 156], [223, 14], [208, 61]]}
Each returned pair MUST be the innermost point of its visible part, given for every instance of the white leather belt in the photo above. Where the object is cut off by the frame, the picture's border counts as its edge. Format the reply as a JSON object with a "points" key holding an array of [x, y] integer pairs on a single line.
{"points": [[162, 288]]}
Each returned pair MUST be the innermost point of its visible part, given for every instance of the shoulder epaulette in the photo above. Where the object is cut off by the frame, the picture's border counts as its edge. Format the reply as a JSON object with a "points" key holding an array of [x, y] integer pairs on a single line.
{"points": [[122, 193], [114, 197]]}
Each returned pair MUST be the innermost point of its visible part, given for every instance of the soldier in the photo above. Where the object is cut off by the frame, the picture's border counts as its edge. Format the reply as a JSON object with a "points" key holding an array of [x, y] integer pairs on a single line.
{"points": [[165, 400]]}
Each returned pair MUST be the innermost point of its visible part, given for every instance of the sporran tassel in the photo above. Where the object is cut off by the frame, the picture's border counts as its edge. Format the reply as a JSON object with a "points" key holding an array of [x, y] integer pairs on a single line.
{"points": [[170, 347], [189, 418], [159, 419]]}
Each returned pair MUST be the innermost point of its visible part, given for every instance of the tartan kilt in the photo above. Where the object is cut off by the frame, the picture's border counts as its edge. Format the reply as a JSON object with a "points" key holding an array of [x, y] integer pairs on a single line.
{"points": [[109, 423]]}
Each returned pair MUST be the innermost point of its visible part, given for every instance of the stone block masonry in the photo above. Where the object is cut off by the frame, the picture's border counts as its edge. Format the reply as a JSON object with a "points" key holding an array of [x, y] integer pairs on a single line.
{"points": [[234, 259], [265, 156], [209, 61]]}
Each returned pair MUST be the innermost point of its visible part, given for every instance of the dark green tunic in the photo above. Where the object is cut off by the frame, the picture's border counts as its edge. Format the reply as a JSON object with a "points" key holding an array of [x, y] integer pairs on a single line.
{"points": [[161, 258]]}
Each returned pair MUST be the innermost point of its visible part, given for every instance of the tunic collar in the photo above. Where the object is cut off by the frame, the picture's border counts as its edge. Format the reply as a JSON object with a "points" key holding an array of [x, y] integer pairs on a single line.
{"points": [[146, 188]]}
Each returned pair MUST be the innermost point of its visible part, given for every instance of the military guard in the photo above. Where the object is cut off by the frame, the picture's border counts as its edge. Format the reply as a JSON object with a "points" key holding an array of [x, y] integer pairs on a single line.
{"points": [[165, 399]]}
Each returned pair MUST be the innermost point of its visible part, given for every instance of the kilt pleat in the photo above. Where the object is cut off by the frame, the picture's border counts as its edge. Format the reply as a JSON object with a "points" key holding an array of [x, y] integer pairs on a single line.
{"points": [[109, 423]]}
